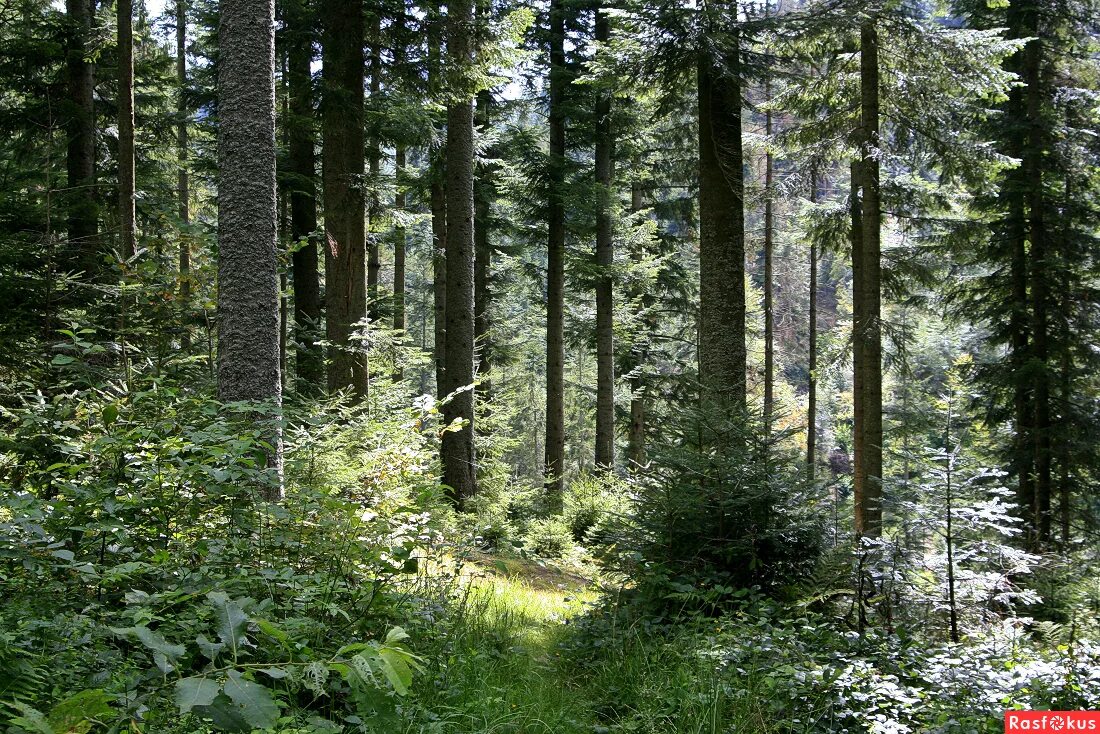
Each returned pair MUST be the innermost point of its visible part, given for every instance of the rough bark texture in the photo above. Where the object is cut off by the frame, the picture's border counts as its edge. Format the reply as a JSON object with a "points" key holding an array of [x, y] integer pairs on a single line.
{"points": [[483, 256], [302, 165], [722, 352], [342, 178], [555, 266], [183, 193], [605, 258], [867, 323], [248, 280], [126, 198], [459, 470], [811, 388], [82, 207]]}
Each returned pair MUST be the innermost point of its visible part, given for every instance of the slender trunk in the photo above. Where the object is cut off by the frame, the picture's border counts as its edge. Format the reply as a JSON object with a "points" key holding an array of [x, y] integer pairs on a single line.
{"points": [[867, 326], [636, 435], [374, 158], [399, 204], [438, 204], [811, 389], [182, 184], [605, 258], [483, 255], [459, 467], [950, 537], [1065, 389], [83, 209], [342, 171], [302, 165], [248, 279], [555, 266], [126, 196], [722, 351]]}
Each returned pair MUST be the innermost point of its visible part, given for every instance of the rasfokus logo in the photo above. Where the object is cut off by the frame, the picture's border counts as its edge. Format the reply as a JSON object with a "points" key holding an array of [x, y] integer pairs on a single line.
{"points": [[1060, 721]]}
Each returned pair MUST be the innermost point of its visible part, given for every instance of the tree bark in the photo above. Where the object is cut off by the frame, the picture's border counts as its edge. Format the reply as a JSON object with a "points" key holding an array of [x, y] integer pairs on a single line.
{"points": [[555, 267], [302, 164], [459, 469], [342, 174], [248, 279], [722, 351], [83, 209], [126, 196], [183, 193], [867, 323], [636, 434], [769, 277], [605, 259]]}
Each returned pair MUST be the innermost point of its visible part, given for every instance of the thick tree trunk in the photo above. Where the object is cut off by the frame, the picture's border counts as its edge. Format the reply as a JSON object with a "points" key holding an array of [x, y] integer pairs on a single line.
{"points": [[126, 196], [555, 266], [183, 193], [867, 324], [605, 258], [811, 388], [248, 279], [302, 164], [722, 351], [374, 159], [342, 172], [83, 209], [459, 468], [483, 256]]}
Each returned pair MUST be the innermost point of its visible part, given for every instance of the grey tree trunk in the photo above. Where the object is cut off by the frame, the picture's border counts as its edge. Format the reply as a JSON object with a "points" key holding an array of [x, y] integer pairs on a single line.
{"points": [[399, 204], [342, 173], [302, 165], [605, 258], [722, 351], [636, 433], [248, 279], [183, 193], [81, 204], [126, 197], [769, 277], [438, 205], [555, 267], [459, 468], [867, 322]]}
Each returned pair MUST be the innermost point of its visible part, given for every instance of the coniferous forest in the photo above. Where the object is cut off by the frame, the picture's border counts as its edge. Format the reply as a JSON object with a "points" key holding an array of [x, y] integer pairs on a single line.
{"points": [[576, 366]]}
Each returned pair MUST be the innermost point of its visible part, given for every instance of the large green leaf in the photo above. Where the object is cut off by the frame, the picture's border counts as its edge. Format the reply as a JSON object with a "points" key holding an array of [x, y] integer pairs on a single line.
{"points": [[231, 620], [195, 691], [253, 701]]}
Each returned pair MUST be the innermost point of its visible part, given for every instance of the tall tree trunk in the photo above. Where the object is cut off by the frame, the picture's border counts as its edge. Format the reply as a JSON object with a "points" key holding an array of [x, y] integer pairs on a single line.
{"points": [[811, 388], [555, 266], [459, 468], [722, 351], [374, 159], [605, 258], [83, 209], [342, 171], [302, 164], [248, 278], [438, 204], [399, 237], [636, 434], [483, 255], [126, 195], [867, 324], [182, 184]]}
